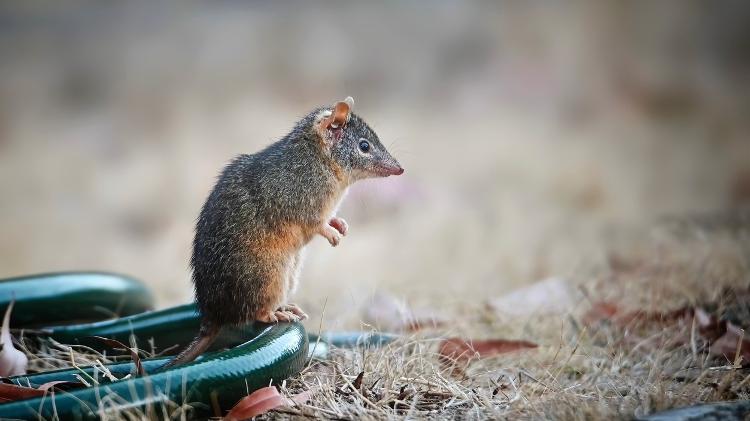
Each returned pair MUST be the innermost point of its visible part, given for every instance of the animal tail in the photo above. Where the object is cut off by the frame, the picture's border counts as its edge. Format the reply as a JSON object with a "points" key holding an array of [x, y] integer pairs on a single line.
{"points": [[200, 344]]}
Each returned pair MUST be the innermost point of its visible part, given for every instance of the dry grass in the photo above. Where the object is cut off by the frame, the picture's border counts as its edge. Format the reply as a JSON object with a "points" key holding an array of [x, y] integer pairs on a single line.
{"points": [[48, 354], [597, 370], [582, 369]]}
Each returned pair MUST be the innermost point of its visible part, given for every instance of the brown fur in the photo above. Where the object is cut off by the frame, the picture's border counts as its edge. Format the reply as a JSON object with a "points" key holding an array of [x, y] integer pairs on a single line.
{"points": [[285, 241], [265, 208]]}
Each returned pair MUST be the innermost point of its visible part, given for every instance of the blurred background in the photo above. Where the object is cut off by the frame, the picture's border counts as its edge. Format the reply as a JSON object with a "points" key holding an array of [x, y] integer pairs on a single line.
{"points": [[535, 136]]}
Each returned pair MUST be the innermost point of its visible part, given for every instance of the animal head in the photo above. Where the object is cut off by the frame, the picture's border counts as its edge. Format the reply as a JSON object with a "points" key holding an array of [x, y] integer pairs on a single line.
{"points": [[352, 144]]}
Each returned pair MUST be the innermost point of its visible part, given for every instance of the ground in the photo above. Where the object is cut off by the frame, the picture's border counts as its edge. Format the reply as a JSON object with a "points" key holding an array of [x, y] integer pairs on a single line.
{"points": [[625, 343], [585, 367]]}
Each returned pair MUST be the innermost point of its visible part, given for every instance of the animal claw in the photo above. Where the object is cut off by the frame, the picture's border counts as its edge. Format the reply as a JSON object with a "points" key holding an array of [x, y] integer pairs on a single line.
{"points": [[294, 309]]}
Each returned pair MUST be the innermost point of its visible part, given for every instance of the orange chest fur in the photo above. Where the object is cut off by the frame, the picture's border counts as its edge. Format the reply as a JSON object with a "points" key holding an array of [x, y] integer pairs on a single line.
{"points": [[288, 237]]}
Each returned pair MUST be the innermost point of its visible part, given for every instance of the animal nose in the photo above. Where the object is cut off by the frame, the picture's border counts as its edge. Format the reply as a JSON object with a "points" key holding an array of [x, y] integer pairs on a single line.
{"points": [[398, 171]]}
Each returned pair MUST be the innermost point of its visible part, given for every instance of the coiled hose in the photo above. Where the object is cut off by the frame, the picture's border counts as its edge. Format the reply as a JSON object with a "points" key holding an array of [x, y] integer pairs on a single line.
{"points": [[72, 297], [219, 379], [259, 354], [264, 354]]}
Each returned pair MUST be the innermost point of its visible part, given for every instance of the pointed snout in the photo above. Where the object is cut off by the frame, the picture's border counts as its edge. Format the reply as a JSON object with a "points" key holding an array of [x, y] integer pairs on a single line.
{"points": [[384, 170], [393, 168], [387, 165]]}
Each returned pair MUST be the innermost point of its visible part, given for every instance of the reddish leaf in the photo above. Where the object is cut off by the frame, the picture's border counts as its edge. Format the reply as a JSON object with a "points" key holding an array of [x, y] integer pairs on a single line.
{"points": [[726, 339], [603, 310], [733, 340], [456, 349], [708, 326], [262, 401], [258, 402], [12, 392], [600, 311]]}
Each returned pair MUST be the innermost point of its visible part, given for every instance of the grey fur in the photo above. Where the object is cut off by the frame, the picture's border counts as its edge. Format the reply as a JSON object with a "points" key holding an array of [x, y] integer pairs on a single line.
{"points": [[292, 182]]}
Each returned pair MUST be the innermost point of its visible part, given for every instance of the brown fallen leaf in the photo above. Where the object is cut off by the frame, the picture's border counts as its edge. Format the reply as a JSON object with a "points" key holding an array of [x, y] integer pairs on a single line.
{"points": [[600, 311], [358, 381], [607, 311], [733, 345], [725, 338], [709, 327], [12, 361], [12, 392], [256, 403], [262, 401], [457, 349]]}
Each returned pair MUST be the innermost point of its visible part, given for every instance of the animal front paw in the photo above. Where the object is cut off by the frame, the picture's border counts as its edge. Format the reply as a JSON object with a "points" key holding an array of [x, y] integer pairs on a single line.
{"points": [[339, 224], [330, 234]]}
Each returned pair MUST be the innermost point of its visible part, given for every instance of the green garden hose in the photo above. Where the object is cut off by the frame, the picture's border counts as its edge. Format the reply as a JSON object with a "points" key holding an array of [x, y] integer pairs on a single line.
{"points": [[167, 331], [262, 353], [70, 297], [218, 379]]}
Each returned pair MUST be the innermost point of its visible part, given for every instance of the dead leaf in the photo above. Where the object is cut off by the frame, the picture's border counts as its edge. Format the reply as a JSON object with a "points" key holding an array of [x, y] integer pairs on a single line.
{"points": [[709, 326], [12, 392], [726, 339], [610, 312], [732, 345], [599, 312], [550, 296], [457, 349], [358, 381], [258, 402], [12, 361], [262, 401]]}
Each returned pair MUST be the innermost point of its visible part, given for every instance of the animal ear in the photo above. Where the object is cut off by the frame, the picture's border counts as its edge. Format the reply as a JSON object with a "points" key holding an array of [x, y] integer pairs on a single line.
{"points": [[340, 115]]}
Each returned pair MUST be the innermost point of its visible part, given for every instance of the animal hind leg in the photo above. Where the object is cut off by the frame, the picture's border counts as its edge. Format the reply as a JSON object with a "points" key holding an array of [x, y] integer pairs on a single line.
{"points": [[294, 309]]}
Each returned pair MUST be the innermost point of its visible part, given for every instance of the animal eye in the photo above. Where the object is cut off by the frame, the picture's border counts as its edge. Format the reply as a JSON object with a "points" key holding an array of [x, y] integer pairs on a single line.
{"points": [[364, 146]]}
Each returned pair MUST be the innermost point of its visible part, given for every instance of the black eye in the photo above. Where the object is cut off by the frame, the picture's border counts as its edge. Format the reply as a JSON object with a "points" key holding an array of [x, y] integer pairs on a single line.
{"points": [[364, 146]]}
